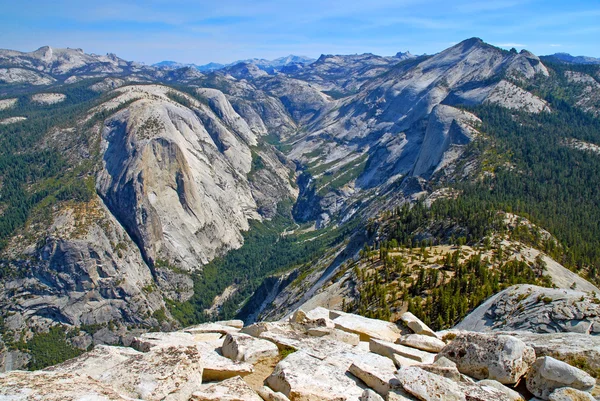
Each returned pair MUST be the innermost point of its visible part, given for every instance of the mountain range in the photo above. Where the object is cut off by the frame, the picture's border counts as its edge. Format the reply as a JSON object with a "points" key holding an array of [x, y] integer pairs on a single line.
{"points": [[267, 65], [137, 198]]}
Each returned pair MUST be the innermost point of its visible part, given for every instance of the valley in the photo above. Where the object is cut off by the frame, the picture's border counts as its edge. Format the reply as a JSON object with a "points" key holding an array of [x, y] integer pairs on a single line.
{"points": [[133, 197]]}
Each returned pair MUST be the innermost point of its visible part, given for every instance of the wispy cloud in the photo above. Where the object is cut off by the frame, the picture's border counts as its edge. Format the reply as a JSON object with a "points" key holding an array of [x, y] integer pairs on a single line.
{"points": [[555, 45]]}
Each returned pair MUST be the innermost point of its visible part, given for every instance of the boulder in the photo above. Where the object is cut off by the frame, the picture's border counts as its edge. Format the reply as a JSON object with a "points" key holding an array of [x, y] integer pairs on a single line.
{"points": [[510, 393], [428, 386], [483, 356], [245, 348], [375, 371], [416, 325], [548, 374], [163, 373], [370, 395], [423, 342], [269, 395], [368, 328], [570, 394], [303, 377], [54, 386], [389, 349], [234, 389]]}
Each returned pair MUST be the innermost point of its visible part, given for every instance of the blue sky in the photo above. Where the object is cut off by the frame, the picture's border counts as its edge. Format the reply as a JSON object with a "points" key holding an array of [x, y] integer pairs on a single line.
{"points": [[226, 30]]}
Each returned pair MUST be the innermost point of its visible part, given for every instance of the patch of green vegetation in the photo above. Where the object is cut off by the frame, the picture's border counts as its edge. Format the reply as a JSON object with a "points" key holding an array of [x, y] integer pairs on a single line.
{"points": [[265, 252], [283, 353], [47, 349]]}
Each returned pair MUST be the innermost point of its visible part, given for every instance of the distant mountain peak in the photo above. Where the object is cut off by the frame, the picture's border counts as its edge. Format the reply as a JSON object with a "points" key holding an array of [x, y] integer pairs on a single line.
{"points": [[567, 58]]}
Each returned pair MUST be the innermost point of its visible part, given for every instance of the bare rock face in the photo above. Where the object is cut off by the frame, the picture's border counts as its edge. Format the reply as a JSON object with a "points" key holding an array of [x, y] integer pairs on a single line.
{"points": [[536, 309], [511, 96], [498, 357], [548, 374]]}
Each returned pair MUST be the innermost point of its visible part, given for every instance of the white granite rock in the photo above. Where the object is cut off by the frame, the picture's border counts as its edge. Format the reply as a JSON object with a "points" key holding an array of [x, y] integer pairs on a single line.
{"points": [[423, 342], [548, 374], [245, 348], [487, 356]]}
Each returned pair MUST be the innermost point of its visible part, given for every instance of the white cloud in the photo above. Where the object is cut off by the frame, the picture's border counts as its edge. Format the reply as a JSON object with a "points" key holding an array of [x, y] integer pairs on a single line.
{"points": [[555, 45]]}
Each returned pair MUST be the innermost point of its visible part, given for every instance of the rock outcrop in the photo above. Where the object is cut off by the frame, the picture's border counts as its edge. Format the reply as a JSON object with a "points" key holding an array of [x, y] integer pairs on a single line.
{"points": [[199, 364], [536, 309]]}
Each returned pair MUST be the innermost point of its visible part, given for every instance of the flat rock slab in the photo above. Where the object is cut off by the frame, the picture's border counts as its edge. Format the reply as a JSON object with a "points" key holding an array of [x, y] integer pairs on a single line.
{"points": [[245, 348], [375, 371], [54, 386], [306, 378], [428, 386], [334, 334], [234, 389], [548, 374], [490, 356], [510, 393], [422, 342], [212, 328], [149, 340], [368, 328], [390, 349]]}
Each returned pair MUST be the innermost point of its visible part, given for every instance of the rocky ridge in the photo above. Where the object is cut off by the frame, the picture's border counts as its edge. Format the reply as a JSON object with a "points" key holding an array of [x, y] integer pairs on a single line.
{"points": [[318, 355]]}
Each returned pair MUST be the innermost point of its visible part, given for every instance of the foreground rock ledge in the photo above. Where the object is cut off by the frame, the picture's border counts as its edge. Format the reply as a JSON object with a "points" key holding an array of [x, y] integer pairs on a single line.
{"points": [[318, 362]]}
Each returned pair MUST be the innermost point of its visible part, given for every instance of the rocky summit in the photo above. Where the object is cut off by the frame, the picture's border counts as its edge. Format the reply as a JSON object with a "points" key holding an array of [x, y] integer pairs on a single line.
{"points": [[312, 355]]}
